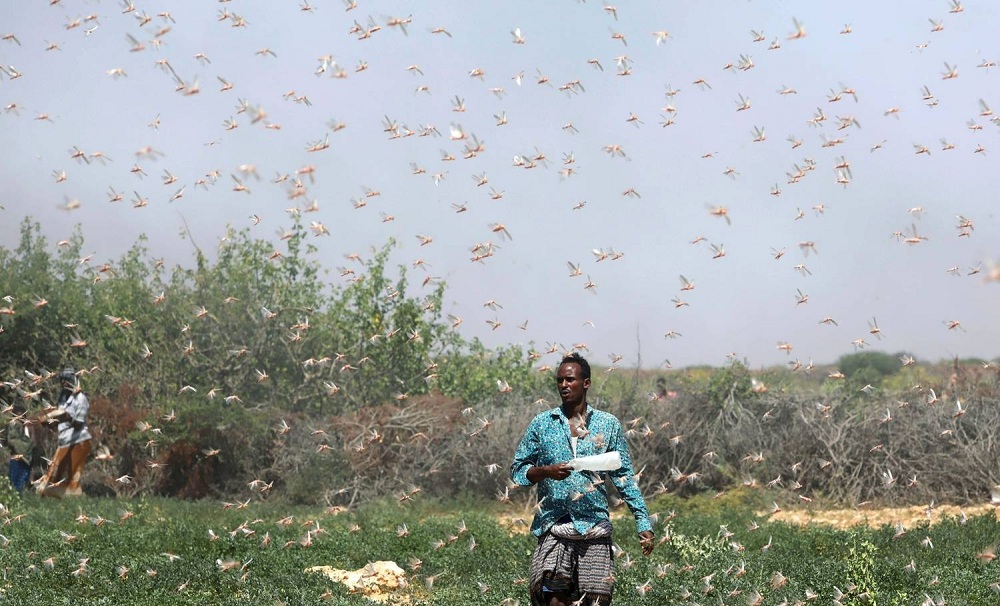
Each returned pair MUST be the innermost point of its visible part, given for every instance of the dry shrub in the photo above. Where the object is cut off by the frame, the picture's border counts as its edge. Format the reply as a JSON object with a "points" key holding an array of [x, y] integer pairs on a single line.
{"points": [[827, 445], [823, 443]]}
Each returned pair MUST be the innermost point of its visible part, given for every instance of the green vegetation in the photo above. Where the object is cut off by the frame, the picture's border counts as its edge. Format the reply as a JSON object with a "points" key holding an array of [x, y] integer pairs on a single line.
{"points": [[257, 308], [218, 356], [250, 376], [160, 551], [350, 423], [868, 369]]}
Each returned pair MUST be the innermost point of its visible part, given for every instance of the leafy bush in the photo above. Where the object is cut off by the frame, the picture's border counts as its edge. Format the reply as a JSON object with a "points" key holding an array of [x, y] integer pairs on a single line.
{"points": [[868, 368]]}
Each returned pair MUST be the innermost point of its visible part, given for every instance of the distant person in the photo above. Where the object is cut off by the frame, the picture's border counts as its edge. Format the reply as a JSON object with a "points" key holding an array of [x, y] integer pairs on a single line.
{"points": [[18, 439], [661, 388], [662, 393], [573, 559], [66, 468]]}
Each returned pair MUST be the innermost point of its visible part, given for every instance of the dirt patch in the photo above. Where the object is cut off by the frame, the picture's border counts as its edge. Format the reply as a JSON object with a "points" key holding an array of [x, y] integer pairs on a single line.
{"points": [[836, 518], [875, 518], [514, 524]]}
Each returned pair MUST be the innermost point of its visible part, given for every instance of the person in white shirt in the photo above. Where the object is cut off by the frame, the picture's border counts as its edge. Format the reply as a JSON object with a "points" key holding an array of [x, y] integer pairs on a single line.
{"points": [[64, 472]]}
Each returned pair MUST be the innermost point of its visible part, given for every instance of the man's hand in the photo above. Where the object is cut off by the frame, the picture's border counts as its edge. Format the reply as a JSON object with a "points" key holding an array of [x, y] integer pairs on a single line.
{"points": [[56, 415], [646, 542], [559, 471]]}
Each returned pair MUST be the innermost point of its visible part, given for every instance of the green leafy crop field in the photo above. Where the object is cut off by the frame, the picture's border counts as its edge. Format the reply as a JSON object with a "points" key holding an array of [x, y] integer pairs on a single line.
{"points": [[171, 552]]}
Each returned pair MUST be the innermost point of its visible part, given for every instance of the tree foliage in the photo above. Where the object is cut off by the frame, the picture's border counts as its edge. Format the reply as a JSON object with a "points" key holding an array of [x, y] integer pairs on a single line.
{"points": [[248, 375], [227, 347], [868, 367]]}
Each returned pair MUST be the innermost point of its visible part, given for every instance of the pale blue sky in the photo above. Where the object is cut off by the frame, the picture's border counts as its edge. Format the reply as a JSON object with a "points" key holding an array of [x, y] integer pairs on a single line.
{"points": [[744, 302]]}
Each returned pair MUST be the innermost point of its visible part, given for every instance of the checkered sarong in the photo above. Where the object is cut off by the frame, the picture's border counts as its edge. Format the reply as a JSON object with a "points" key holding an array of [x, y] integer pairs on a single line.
{"points": [[573, 566]]}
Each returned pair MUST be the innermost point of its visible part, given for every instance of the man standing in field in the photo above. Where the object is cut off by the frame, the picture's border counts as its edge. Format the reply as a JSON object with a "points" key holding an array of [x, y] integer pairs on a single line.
{"points": [[573, 559], [65, 470]]}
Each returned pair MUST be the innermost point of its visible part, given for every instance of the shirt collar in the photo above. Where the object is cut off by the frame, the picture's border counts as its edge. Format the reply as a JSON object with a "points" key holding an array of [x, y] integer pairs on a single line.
{"points": [[557, 412]]}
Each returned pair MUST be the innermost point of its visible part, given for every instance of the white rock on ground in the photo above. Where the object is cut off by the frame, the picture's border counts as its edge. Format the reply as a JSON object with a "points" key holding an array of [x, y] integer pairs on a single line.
{"points": [[376, 580]]}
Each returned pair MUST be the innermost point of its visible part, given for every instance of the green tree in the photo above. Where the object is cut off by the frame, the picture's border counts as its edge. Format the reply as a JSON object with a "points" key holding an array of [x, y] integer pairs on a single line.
{"points": [[867, 368]]}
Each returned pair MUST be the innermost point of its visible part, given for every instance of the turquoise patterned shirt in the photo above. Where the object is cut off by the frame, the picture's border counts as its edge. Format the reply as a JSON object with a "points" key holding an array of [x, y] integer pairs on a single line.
{"points": [[583, 495]]}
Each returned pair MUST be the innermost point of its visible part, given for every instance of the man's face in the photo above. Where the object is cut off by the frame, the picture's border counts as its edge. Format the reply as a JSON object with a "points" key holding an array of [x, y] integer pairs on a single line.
{"points": [[571, 384]]}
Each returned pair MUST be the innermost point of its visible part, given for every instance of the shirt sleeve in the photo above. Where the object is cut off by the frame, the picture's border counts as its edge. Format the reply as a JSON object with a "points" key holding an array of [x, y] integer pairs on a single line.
{"points": [[525, 456], [624, 480]]}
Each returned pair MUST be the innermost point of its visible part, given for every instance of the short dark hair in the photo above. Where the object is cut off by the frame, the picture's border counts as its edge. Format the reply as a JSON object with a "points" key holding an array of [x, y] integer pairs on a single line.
{"points": [[576, 358], [68, 375]]}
